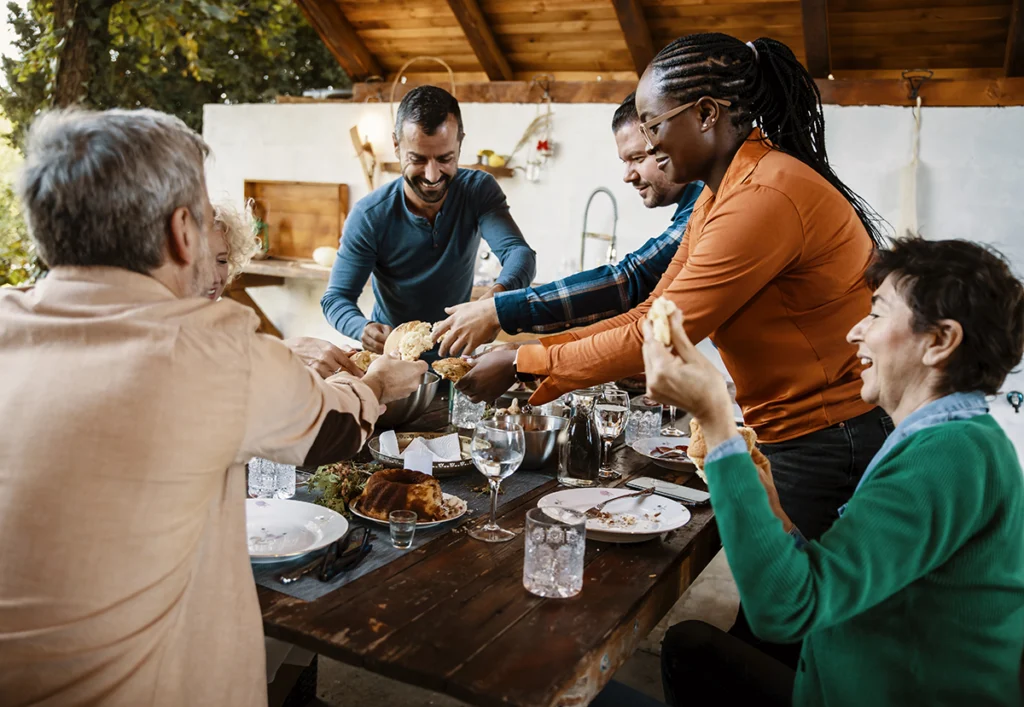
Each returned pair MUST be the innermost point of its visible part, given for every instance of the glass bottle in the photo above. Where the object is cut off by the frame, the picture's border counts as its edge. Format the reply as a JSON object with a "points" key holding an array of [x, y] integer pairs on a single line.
{"points": [[579, 458]]}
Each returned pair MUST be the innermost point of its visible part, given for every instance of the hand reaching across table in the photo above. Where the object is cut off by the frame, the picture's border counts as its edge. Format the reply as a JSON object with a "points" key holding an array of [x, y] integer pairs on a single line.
{"points": [[390, 378], [468, 325], [324, 357], [374, 336]]}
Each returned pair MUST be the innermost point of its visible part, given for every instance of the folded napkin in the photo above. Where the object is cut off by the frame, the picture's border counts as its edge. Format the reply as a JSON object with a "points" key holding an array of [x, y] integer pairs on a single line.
{"points": [[441, 449]]}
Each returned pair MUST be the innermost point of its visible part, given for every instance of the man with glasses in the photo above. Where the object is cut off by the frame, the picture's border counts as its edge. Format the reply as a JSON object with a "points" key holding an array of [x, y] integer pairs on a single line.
{"points": [[596, 294]]}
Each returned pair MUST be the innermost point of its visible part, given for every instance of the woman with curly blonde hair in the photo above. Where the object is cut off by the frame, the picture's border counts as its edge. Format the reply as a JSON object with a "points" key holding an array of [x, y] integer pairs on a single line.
{"points": [[236, 246]]}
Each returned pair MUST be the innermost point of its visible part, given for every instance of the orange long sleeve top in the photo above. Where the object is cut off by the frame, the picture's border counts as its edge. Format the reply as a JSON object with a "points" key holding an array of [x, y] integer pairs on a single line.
{"points": [[772, 269]]}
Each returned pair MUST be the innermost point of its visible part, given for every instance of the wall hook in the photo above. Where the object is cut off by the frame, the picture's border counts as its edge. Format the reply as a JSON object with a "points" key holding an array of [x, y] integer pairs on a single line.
{"points": [[916, 78]]}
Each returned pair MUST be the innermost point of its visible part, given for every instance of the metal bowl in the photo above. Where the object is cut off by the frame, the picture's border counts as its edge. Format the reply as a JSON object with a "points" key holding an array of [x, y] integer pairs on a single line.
{"points": [[409, 408], [542, 433], [441, 469]]}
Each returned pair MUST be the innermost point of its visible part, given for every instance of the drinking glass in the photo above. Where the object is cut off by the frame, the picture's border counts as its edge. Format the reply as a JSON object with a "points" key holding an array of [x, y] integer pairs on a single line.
{"points": [[670, 430], [610, 413], [644, 420], [464, 412], [403, 527], [269, 479], [498, 447], [553, 561]]}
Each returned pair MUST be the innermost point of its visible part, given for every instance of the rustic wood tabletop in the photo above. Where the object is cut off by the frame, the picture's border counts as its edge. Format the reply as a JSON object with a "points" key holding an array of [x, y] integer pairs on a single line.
{"points": [[452, 615]]}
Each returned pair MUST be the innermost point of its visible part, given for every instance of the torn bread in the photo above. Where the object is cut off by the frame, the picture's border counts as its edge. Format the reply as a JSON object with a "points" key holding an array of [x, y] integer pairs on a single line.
{"points": [[410, 340], [698, 449], [452, 368], [363, 359], [658, 315]]}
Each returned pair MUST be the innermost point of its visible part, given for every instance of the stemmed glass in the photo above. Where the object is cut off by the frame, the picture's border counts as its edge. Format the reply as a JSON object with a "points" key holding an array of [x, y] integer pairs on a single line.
{"points": [[497, 449], [669, 430], [610, 412]]}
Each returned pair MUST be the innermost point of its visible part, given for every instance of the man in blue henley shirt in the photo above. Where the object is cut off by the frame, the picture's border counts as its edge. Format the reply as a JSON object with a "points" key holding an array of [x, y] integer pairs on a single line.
{"points": [[419, 235]]}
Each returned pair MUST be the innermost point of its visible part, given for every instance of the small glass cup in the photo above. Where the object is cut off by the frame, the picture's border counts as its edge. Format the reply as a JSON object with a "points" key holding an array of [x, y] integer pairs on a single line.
{"points": [[403, 527], [553, 559], [269, 479], [464, 413], [644, 420]]}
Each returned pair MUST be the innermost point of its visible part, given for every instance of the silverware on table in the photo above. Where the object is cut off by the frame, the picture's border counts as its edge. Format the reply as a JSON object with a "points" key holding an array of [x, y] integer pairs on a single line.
{"points": [[596, 510]]}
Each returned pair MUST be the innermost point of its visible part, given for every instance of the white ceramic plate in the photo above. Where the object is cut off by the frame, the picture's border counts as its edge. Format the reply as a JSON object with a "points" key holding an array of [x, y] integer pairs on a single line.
{"points": [[634, 519], [645, 446], [281, 529], [460, 510]]}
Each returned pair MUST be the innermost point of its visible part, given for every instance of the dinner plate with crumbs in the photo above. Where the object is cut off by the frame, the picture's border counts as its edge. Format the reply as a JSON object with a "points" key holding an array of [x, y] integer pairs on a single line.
{"points": [[453, 507], [666, 452], [631, 520]]}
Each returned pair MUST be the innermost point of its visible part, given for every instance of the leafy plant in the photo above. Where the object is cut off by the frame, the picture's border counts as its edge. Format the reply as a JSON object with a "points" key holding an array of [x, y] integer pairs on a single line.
{"points": [[340, 484]]}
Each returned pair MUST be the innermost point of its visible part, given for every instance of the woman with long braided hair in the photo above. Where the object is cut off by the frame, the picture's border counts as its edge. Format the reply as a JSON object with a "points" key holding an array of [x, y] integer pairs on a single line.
{"points": [[771, 268]]}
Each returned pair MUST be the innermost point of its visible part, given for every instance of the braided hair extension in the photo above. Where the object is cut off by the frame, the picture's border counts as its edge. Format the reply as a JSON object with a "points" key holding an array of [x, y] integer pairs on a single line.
{"points": [[767, 86]]}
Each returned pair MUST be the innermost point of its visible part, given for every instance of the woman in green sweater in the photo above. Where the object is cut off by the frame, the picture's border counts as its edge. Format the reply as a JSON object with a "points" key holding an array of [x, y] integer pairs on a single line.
{"points": [[916, 595]]}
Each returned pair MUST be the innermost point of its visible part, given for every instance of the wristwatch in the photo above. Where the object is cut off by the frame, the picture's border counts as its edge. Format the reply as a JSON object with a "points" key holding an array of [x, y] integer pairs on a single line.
{"points": [[522, 377]]}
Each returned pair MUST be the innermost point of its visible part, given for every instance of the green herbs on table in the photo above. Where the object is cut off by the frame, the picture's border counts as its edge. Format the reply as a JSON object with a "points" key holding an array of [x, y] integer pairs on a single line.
{"points": [[340, 484]]}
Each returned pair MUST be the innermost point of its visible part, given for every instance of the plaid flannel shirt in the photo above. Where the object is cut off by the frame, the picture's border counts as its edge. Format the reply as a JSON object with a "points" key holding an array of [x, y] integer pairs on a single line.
{"points": [[600, 293]]}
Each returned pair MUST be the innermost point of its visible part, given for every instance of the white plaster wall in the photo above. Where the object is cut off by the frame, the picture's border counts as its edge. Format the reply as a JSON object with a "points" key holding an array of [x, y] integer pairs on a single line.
{"points": [[969, 184]]}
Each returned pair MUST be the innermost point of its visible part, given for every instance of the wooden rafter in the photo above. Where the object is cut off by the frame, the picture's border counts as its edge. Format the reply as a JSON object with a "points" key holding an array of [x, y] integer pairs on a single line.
{"points": [[481, 39], [844, 92], [638, 35], [341, 39], [1014, 64], [816, 42]]}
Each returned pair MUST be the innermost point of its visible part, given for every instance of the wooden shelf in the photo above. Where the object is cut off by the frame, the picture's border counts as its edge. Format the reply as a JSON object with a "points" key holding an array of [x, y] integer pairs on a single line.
{"points": [[396, 168], [302, 269]]}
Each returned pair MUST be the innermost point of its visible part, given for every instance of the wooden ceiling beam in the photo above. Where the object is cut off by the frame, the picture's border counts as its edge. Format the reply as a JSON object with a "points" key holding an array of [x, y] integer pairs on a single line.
{"points": [[326, 17], [639, 41], [480, 37], [1014, 63], [816, 41], [844, 92]]}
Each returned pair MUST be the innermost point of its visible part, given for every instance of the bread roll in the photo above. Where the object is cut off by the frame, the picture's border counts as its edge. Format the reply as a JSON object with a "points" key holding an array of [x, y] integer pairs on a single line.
{"points": [[410, 340], [698, 448], [452, 368], [363, 359], [659, 313]]}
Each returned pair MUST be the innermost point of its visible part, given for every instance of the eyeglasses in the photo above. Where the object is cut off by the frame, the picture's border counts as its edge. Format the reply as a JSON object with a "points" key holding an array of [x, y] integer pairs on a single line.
{"points": [[645, 127]]}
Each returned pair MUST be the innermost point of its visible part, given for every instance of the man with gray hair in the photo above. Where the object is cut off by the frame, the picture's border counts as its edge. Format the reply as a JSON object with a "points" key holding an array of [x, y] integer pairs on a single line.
{"points": [[131, 406]]}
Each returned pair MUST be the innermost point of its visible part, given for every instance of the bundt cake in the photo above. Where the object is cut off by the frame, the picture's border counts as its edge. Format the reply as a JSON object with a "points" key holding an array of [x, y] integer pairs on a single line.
{"points": [[402, 490]]}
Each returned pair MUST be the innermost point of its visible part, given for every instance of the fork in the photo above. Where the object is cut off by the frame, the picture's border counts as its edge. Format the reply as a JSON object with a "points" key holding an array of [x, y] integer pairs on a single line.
{"points": [[596, 510]]}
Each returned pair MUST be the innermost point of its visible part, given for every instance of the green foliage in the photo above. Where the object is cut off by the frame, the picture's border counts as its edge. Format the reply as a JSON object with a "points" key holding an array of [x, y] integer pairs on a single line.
{"points": [[171, 55]]}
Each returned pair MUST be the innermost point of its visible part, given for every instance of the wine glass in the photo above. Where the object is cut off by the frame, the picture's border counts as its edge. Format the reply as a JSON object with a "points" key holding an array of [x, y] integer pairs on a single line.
{"points": [[498, 447], [610, 412], [669, 430]]}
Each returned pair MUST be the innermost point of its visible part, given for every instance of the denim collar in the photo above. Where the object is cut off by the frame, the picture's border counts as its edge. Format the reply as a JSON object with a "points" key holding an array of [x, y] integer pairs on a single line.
{"points": [[958, 406]]}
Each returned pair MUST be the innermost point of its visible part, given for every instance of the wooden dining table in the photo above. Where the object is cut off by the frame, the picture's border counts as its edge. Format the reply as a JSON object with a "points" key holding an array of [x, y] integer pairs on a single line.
{"points": [[452, 615]]}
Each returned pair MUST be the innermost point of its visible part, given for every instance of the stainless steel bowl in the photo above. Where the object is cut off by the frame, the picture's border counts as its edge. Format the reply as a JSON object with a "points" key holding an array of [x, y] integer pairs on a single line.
{"points": [[409, 408], [541, 432]]}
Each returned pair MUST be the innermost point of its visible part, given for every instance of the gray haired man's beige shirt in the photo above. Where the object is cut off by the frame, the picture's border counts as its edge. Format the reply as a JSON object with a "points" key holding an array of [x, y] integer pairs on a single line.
{"points": [[126, 419]]}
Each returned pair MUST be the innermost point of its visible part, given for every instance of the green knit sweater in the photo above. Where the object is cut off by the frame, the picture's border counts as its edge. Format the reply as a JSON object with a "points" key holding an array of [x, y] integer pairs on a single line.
{"points": [[915, 596]]}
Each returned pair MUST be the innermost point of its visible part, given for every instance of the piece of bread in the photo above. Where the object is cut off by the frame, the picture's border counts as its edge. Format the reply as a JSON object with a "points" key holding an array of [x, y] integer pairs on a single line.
{"points": [[363, 359], [659, 313], [698, 448], [452, 368], [410, 340]]}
